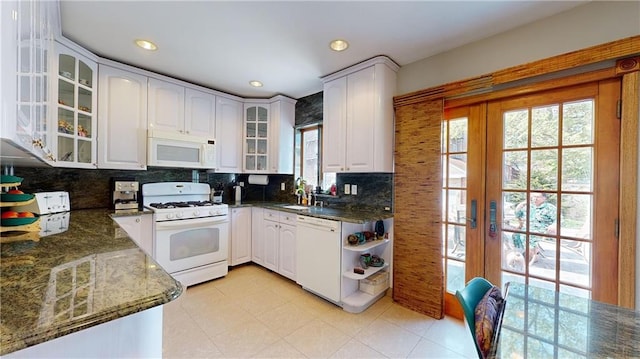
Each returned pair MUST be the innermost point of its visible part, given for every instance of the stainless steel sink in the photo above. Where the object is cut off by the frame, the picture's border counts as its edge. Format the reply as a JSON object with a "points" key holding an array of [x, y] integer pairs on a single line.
{"points": [[296, 207]]}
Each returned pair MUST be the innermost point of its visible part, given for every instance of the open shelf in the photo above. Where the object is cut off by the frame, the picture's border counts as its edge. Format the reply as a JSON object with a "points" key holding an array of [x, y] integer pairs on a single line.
{"points": [[367, 272], [365, 247], [359, 301]]}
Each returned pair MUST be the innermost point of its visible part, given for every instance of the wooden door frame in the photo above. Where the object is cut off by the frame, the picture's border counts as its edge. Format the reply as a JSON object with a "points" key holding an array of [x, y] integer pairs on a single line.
{"points": [[628, 197], [606, 180], [476, 176]]}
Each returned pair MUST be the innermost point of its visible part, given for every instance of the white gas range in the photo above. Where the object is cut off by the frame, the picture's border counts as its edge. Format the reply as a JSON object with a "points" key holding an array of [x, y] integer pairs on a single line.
{"points": [[191, 236]]}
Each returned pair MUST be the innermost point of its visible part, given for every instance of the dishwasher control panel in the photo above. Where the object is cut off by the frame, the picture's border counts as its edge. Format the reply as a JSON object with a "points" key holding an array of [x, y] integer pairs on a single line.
{"points": [[318, 222]]}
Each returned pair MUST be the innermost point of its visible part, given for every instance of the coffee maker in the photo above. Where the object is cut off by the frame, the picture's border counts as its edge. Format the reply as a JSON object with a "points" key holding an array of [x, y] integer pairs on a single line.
{"points": [[124, 193], [216, 193]]}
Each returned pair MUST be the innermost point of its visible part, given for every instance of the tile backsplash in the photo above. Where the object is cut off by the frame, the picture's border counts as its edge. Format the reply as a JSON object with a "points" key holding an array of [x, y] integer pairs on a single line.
{"points": [[90, 188]]}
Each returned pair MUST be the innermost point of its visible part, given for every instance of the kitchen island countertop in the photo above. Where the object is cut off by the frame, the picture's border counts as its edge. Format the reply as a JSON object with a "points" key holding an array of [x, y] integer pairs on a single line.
{"points": [[336, 214], [83, 277]]}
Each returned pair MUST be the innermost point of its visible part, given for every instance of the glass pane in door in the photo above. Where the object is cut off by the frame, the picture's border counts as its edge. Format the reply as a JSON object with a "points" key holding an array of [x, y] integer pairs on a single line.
{"points": [[454, 217], [547, 195]]}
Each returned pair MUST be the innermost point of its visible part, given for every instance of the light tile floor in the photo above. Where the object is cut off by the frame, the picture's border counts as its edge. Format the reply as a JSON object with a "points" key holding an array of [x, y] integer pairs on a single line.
{"points": [[254, 313]]}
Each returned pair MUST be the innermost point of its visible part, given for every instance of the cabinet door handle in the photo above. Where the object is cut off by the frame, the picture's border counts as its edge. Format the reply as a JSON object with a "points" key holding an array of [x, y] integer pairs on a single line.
{"points": [[474, 209], [493, 226]]}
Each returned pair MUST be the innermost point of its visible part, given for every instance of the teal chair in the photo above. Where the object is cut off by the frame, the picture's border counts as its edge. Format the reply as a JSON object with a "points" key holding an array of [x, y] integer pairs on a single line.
{"points": [[469, 297]]}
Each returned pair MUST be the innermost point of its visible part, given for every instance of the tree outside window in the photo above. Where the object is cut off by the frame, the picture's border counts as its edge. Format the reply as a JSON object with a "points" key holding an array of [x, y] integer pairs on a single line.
{"points": [[308, 154]]}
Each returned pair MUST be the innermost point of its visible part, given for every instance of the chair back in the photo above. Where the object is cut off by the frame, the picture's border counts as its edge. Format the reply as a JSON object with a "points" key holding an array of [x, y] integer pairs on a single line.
{"points": [[469, 297]]}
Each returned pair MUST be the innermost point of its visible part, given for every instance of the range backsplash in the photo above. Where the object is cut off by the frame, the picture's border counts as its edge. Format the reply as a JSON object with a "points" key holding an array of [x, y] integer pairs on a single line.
{"points": [[90, 188]]}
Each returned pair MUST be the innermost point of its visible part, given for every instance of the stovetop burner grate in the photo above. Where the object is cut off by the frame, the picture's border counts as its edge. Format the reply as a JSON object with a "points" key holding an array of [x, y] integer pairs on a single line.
{"points": [[169, 205]]}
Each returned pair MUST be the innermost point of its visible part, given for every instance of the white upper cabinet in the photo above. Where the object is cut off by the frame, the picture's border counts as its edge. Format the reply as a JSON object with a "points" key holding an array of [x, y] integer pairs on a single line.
{"points": [[334, 125], [75, 121], [358, 117], [179, 110], [256, 137], [122, 119], [166, 107], [200, 114], [268, 135], [281, 135], [26, 52], [229, 135]]}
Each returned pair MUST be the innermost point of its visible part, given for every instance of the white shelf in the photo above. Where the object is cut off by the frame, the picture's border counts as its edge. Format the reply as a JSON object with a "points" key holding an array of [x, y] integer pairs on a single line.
{"points": [[365, 247], [359, 301], [367, 272]]}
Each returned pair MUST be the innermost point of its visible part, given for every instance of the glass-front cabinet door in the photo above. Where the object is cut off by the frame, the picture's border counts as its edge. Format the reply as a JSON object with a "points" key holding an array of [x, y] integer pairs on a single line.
{"points": [[35, 44], [76, 105], [256, 131]]}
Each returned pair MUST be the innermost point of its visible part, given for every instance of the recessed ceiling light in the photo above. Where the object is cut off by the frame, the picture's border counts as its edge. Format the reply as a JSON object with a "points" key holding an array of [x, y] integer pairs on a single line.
{"points": [[255, 83], [147, 45], [338, 45]]}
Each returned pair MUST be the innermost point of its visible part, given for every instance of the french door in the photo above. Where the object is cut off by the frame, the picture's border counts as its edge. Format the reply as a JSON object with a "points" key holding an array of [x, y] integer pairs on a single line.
{"points": [[530, 190]]}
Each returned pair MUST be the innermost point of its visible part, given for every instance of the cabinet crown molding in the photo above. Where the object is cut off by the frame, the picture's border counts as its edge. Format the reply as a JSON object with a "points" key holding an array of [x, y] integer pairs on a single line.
{"points": [[270, 100], [382, 59]]}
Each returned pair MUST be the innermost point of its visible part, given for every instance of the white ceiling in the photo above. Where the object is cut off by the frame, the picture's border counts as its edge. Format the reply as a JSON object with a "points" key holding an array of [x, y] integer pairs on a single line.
{"points": [[225, 44]]}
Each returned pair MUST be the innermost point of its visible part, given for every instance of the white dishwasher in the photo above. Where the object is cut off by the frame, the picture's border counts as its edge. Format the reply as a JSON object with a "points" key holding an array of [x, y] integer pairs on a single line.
{"points": [[318, 256]]}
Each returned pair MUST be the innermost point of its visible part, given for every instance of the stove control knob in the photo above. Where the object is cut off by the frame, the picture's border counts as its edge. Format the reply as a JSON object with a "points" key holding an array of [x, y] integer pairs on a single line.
{"points": [[179, 214], [196, 213], [169, 215], [212, 212]]}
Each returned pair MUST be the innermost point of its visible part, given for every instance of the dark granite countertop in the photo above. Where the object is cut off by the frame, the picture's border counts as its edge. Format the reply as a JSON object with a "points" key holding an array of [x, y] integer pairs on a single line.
{"points": [[337, 214], [129, 212], [542, 323], [74, 280]]}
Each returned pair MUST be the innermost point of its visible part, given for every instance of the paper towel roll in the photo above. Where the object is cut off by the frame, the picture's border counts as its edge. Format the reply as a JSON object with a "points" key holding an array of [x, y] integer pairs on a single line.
{"points": [[259, 179]]}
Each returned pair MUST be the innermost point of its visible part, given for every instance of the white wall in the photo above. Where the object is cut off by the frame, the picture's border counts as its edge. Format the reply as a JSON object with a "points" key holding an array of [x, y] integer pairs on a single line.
{"points": [[584, 26], [587, 25]]}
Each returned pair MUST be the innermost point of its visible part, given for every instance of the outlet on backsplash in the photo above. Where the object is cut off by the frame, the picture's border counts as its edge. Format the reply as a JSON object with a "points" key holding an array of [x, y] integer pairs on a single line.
{"points": [[366, 190]]}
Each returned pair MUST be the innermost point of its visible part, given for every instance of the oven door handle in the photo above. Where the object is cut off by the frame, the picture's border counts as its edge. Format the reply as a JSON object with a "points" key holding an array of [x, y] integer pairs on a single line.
{"points": [[188, 223]]}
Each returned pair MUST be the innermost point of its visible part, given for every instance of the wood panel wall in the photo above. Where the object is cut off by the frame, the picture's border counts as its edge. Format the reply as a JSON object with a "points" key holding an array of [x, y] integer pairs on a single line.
{"points": [[418, 275]]}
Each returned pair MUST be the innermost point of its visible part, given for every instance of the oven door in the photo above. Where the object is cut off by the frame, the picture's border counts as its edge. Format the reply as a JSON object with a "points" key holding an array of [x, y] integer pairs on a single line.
{"points": [[191, 243]]}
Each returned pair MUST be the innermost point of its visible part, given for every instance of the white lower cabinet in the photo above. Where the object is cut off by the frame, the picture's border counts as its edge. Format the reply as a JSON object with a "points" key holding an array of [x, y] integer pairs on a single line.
{"points": [[270, 235], [139, 228], [138, 335], [275, 242], [240, 248], [257, 237], [353, 299], [287, 246]]}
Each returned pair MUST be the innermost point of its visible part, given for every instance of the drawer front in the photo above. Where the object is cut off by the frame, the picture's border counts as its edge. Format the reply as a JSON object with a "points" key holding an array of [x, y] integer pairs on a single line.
{"points": [[288, 218], [271, 215]]}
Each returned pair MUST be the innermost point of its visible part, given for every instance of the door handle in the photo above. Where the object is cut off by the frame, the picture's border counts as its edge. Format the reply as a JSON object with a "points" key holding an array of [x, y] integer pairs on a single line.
{"points": [[493, 227], [474, 210]]}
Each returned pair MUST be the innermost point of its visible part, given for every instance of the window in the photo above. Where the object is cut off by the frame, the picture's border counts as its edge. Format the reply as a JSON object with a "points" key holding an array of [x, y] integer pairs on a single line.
{"points": [[308, 155]]}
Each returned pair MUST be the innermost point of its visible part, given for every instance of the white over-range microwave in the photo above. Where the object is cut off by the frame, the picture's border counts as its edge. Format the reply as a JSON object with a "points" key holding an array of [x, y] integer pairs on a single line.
{"points": [[175, 150]]}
